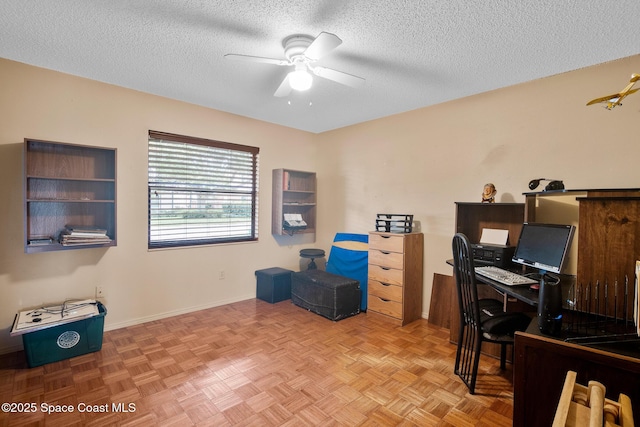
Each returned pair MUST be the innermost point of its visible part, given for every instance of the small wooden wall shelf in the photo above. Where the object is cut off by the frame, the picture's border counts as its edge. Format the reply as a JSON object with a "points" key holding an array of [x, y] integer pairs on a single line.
{"points": [[68, 184], [294, 192]]}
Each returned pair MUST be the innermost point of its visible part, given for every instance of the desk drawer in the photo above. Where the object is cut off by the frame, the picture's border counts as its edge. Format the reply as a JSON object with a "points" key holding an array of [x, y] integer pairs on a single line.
{"points": [[390, 276], [389, 243], [386, 259], [384, 291], [390, 308]]}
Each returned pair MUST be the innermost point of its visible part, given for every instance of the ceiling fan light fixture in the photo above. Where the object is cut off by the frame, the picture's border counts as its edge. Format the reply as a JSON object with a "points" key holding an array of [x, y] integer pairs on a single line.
{"points": [[302, 51], [300, 79]]}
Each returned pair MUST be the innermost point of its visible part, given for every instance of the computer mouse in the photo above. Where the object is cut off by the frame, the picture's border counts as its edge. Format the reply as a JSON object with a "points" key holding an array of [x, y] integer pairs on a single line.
{"points": [[535, 287], [36, 319]]}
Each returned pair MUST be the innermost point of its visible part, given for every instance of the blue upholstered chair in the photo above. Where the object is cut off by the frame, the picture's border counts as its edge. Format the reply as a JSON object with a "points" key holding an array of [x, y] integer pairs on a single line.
{"points": [[349, 257]]}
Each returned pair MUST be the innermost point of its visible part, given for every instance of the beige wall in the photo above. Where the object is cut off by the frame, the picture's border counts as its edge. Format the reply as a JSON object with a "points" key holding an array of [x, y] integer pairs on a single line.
{"points": [[423, 161], [419, 162], [140, 285]]}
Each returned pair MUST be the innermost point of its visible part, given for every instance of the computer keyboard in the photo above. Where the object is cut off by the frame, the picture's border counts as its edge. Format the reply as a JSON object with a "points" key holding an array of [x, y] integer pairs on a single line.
{"points": [[504, 276]]}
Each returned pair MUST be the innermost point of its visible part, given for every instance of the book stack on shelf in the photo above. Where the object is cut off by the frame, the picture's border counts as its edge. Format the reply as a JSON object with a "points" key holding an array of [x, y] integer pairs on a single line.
{"points": [[80, 235]]}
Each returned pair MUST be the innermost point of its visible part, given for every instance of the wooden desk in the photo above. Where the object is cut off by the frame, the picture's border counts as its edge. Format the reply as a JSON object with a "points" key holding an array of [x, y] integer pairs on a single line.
{"points": [[509, 294], [520, 292]]}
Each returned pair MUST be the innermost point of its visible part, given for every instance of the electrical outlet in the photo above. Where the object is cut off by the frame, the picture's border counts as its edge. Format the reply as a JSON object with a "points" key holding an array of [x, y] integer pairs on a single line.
{"points": [[100, 292], [221, 275]]}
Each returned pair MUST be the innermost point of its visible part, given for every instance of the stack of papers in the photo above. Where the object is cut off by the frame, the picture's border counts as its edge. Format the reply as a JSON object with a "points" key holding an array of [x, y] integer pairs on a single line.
{"points": [[82, 235]]}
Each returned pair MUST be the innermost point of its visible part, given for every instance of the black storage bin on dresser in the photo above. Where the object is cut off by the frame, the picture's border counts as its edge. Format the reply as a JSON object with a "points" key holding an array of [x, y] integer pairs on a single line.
{"points": [[273, 284], [329, 295]]}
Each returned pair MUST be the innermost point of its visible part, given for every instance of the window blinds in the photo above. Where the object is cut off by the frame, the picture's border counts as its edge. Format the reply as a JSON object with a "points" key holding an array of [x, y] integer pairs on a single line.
{"points": [[201, 191]]}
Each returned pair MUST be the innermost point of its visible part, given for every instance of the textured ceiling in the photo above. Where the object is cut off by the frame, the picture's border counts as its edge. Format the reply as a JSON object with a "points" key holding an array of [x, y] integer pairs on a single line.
{"points": [[412, 53]]}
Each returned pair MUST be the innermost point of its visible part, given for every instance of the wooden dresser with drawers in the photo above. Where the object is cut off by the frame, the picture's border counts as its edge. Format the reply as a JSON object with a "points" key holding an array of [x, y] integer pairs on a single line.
{"points": [[395, 276]]}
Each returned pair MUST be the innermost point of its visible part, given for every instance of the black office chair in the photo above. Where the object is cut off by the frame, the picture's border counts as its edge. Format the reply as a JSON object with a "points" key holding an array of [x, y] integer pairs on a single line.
{"points": [[480, 319]]}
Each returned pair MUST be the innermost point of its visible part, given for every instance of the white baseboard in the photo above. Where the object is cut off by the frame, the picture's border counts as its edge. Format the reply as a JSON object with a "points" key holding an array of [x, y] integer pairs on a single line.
{"points": [[10, 349], [140, 320]]}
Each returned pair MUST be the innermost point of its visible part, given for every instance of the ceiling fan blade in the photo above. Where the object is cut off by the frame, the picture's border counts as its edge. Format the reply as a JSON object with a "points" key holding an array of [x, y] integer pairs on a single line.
{"points": [[257, 59], [323, 44], [284, 89], [339, 77]]}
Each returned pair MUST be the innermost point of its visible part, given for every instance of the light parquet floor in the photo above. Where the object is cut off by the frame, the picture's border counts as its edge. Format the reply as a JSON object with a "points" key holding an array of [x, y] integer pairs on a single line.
{"points": [[253, 363]]}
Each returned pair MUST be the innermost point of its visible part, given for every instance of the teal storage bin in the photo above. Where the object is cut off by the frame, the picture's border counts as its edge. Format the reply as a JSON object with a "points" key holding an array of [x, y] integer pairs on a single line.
{"points": [[65, 341]]}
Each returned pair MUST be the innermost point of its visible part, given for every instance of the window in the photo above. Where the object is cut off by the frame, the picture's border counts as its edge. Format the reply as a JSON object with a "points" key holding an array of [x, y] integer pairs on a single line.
{"points": [[201, 191]]}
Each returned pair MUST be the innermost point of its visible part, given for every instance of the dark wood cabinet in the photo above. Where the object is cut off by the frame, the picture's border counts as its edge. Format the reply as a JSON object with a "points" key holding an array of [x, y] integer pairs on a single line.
{"points": [[608, 246], [607, 240], [68, 185], [472, 218], [540, 367]]}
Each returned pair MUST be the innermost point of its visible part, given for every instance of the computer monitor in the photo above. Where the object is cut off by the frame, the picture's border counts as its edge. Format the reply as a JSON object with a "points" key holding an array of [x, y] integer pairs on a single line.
{"points": [[543, 246]]}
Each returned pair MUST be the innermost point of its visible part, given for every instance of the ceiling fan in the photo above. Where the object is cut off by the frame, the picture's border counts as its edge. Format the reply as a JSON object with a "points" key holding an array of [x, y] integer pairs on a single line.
{"points": [[302, 52]]}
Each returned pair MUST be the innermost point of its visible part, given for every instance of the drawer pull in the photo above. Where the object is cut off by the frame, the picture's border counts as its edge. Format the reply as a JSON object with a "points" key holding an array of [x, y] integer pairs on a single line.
{"points": [[385, 268], [385, 237], [386, 253], [385, 300], [384, 284]]}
